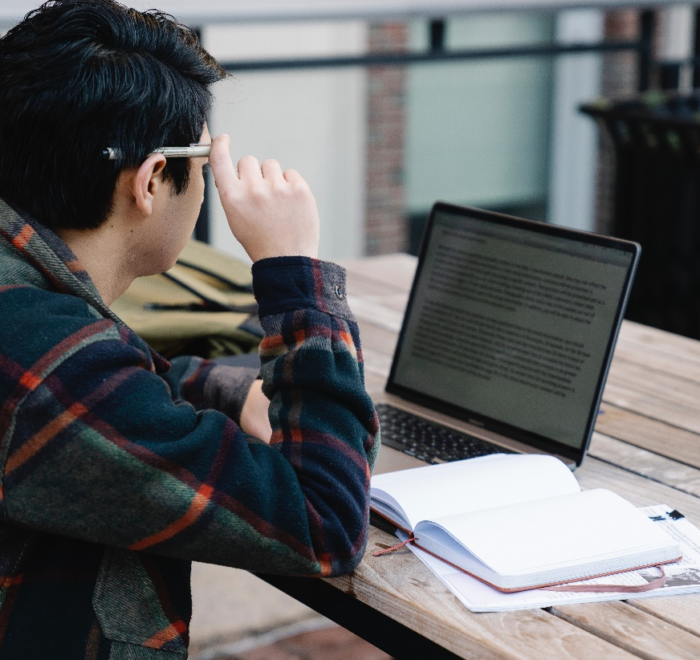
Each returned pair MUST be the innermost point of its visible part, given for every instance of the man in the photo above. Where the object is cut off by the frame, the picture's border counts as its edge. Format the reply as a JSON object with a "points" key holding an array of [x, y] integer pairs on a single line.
{"points": [[111, 481]]}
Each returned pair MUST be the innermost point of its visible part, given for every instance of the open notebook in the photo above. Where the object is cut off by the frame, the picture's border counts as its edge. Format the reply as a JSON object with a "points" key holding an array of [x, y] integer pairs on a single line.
{"points": [[519, 521]]}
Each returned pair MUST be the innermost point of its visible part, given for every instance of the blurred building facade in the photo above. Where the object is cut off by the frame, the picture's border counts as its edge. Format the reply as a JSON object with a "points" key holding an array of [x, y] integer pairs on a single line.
{"points": [[379, 145]]}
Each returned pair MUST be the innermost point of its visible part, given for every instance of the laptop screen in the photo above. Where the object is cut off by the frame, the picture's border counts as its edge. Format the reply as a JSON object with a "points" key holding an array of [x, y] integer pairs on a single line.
{"points": [[513, 322]]}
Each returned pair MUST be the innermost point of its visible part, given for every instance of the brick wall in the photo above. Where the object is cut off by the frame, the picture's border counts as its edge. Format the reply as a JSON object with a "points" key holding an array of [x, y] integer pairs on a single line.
{"points": [[386, 223]]}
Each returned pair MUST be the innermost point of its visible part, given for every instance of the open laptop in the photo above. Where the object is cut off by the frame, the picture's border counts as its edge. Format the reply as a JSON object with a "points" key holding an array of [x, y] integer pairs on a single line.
{"points": [[507, 340]]}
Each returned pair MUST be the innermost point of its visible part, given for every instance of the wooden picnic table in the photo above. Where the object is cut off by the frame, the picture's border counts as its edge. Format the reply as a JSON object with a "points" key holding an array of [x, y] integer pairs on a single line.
{"points": [[646, 447]]}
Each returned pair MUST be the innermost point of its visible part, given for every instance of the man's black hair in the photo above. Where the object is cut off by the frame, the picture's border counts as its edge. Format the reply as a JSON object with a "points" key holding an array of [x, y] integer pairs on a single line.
{"points": [[78, 76]]}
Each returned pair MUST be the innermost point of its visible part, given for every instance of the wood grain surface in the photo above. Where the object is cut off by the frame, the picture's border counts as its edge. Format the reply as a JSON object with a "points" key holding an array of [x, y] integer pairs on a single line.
{"points": [[633, 629], [646, 448]]}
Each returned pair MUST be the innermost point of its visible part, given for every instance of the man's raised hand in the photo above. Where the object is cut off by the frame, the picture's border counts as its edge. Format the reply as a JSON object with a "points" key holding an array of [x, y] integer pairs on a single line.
{"points": [[271, 213]]}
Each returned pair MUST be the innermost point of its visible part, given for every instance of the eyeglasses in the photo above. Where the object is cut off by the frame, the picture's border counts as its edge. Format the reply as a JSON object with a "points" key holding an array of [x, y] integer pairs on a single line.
{"points": [[196, 150]]}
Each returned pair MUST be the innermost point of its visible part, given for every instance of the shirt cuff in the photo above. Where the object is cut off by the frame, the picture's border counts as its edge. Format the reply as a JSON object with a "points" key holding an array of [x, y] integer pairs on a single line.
{"points": [[227, 387], [285, 284]]}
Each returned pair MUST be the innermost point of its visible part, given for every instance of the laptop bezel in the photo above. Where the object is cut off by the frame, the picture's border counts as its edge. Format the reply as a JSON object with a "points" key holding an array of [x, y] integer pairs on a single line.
{"points": [[528, 438]]}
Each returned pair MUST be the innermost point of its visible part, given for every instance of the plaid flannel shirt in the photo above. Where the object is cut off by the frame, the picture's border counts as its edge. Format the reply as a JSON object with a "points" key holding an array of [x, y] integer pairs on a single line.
{"points": [[115, 472]]}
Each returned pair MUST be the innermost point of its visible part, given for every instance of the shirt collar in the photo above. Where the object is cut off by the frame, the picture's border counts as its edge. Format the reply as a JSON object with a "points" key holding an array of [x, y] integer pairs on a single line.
{"points": [[44, 251]]}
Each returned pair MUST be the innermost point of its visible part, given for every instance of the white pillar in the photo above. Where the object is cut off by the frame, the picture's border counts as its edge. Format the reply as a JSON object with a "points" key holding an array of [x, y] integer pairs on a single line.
{"points": [[676, 39], [310, 120], [574, 147]]}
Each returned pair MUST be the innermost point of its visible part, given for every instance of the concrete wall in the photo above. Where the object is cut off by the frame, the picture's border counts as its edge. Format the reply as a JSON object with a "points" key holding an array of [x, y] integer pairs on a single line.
{"points": [[312, 121]]}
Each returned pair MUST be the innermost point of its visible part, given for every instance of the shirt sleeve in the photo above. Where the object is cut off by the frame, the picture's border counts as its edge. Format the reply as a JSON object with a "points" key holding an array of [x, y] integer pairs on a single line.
{"points": [[101, 452], [216, 384]]}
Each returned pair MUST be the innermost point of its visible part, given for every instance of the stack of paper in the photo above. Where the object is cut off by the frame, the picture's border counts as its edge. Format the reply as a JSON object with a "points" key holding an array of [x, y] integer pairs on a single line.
{"points": [[683, 576]]}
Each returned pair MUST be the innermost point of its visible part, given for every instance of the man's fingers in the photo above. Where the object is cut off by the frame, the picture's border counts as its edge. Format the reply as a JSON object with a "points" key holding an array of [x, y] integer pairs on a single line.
{"points": [[249, 169], [292, 176], [272, 171], [271, 213], [220, 161]]}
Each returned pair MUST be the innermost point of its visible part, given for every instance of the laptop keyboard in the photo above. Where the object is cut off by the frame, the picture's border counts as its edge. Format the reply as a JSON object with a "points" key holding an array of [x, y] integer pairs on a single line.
{"points": [[428, 441]]}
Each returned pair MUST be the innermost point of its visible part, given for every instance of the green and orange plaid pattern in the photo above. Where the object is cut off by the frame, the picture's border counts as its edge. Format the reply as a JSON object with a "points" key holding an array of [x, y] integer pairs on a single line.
{"points": [[112, 481]]}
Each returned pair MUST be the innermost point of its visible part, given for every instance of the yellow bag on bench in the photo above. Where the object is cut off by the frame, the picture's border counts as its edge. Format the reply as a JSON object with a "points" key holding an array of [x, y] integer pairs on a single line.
{"points": [[202, 306]]}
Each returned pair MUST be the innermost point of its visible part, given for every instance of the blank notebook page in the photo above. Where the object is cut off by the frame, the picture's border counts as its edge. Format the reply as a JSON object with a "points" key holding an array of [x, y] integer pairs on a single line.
{"points": [[426, 493], [561, 531]]}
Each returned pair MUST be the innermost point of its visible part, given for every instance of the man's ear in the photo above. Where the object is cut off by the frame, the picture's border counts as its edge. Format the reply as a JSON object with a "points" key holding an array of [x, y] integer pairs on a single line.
{"points": [[148, 182]]}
